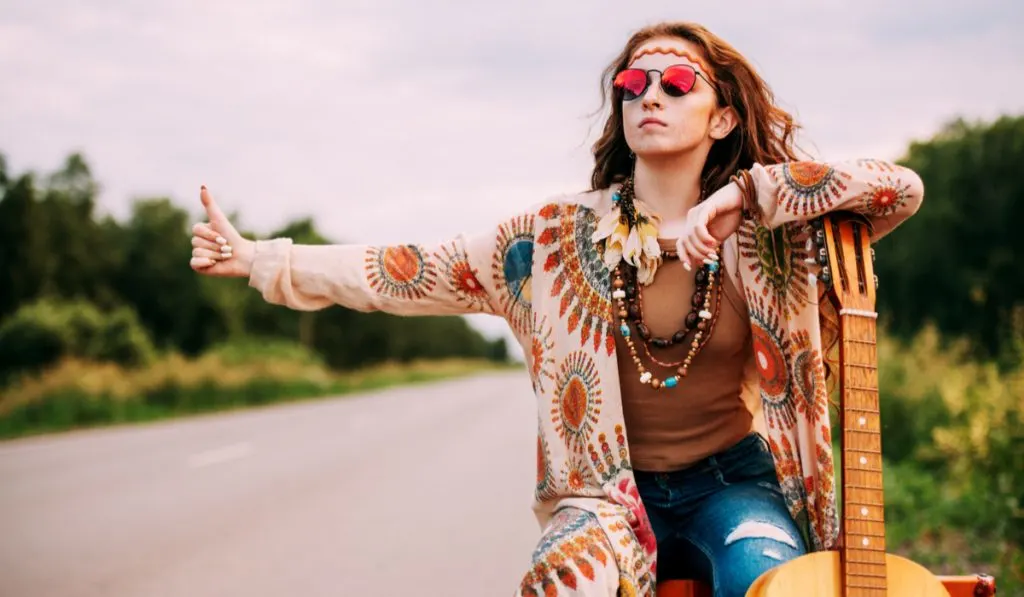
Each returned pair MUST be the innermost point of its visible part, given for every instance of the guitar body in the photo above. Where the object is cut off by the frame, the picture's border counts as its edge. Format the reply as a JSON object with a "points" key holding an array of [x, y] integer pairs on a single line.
{"points": [[820, 574]]}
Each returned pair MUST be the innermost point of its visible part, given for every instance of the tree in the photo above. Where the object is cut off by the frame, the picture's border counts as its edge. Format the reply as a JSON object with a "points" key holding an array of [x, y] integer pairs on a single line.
{"points": [[958, 262]]}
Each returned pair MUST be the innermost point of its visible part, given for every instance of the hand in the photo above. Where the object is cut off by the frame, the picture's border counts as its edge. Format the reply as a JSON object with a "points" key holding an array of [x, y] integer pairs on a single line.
{"points": [[708, 224], [217, 248]]}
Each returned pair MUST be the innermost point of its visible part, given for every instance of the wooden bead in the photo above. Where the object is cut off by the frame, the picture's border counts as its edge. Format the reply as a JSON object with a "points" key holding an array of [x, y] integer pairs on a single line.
{"points": [[643, 331]]}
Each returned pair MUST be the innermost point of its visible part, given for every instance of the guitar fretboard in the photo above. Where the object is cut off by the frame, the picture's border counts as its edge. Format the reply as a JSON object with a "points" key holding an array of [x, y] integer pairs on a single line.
{"points": [[863, 496]]}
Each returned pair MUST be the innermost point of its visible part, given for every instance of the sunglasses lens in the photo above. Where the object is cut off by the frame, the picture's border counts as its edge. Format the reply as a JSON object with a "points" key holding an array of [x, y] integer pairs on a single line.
{"points": [[632, 82], [678, 80]]}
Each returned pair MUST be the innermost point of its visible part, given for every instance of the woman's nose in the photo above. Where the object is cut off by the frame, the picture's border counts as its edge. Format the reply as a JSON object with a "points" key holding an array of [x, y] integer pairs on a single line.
{"points": [[652, 95]]}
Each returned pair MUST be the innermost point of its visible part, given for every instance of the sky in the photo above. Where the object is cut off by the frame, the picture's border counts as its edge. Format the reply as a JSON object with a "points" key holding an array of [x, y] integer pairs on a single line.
{"points": [[404, 121]]}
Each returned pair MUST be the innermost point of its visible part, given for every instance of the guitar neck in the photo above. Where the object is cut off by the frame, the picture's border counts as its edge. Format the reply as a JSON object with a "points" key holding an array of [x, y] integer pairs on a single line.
{"points": [[863, 495]]}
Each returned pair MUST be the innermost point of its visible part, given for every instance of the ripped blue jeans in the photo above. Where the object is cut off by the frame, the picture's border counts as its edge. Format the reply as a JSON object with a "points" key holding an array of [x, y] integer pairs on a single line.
{"points": [[722, 520]]}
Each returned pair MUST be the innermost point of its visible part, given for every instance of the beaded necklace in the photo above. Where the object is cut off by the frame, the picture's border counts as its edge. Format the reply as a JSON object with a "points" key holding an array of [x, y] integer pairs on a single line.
{"points": [[628, 297]]}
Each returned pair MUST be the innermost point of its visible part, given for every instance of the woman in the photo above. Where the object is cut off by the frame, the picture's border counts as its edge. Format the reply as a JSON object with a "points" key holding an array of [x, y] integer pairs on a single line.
{"points": [[675, 302]]}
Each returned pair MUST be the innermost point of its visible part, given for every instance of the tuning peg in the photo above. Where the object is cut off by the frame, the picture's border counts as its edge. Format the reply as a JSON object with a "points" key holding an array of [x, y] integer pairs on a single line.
{"points": [[819, 236], [826, 275], [876, 282], [809, 246], [872, 254], [822, 256]]}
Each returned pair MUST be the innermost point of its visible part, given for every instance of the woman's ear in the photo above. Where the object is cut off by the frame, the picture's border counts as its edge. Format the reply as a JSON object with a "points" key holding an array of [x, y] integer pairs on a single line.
{"points": [[722, 122]]}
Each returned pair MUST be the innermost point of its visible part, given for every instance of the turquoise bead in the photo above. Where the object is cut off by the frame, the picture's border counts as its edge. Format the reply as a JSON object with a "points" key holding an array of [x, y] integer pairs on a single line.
{"points": [[671, 382], [713, 266], [616, 197], [625, 330]]}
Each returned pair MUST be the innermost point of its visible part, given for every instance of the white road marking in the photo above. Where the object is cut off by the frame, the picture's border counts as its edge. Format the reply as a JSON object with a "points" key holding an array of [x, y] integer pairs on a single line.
{"points": [[220, 455]]}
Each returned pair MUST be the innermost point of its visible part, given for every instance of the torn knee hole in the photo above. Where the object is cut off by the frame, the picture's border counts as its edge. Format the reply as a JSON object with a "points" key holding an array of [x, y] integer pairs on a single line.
{"points": [[760, 530]]}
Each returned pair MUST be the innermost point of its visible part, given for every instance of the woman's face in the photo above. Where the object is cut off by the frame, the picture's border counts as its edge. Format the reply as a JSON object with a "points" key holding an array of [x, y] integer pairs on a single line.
{"points": [[659, 123]]}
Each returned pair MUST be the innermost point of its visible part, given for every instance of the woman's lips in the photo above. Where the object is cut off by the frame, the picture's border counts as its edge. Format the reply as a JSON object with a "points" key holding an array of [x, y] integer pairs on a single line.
{"points": [[654, 121]]}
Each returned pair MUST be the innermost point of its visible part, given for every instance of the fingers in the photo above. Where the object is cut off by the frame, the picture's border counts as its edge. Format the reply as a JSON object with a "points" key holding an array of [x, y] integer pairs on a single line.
{"points": [[199, 242], [213, 211], [208, 247], [705, 241], [693, 251], [213, 254], [688, 253], [205, 231], [201, 263]]}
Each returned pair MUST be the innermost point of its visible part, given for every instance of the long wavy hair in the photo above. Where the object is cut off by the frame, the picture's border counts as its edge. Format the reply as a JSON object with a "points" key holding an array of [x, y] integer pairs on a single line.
{"points": [[764, 133]]}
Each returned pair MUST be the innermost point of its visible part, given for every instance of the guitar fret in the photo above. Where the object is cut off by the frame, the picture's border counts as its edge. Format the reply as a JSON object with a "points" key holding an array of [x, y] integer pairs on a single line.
{"points": [[865, 562], [866, 574], [870, 431], [853, 503], [860, 388], [868, 487], [864, 470], [859, 341], [862, 366]]}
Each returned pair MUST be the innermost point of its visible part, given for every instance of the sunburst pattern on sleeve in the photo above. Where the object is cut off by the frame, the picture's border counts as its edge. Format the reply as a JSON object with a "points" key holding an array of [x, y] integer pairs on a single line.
{"points": [[580, 278]]}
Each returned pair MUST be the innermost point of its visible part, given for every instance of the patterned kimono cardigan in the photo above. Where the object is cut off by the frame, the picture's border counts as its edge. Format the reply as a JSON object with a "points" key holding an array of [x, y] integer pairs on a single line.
{"points": [[541, 271]]}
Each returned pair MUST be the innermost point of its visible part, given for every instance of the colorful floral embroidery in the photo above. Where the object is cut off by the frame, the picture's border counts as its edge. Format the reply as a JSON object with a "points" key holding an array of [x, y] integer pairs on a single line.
{"points": [[885, 196], [577, 474], [771, 352], [626, 494], [808, 188], [871, 164], [808, 378], [779, 260], [400, 272], [788, 471], [580, 277], [541, 350], [823, 497], [513, 271], [546, 489], [461, 277], [576, 405], [567, 555], [603, 459]]}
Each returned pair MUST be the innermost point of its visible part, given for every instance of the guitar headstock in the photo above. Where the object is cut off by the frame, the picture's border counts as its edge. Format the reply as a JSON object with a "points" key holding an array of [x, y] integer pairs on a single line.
{"points": [[847, 259]]}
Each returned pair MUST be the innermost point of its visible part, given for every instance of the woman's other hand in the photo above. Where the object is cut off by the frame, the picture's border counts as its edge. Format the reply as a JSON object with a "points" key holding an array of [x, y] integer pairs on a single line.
{"points": [[217, 248], [707, 226]]}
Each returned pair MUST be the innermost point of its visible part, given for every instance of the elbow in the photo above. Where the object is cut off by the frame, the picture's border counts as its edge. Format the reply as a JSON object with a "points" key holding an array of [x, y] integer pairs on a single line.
{"points": [[914, 193]]}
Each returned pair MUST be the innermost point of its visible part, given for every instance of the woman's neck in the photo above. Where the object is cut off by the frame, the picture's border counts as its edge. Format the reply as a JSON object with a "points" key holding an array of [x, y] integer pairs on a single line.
{"points": [[669, 186]]}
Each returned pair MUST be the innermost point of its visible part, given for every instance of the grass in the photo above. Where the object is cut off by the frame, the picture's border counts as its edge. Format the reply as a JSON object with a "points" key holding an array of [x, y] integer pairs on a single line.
{"points": [[77, 394]]}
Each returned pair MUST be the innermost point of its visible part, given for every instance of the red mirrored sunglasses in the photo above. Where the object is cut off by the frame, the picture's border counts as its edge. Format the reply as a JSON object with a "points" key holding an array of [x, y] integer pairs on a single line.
{"points": [[676, 81]]}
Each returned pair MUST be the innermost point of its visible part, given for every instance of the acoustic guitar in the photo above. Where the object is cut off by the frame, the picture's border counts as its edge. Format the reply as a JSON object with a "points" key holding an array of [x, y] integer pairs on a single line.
{"points": [[860, 567]]}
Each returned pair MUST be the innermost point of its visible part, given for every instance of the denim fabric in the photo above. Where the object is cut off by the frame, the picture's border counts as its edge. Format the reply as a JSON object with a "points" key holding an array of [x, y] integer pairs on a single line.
{"points": [[722, 520]]}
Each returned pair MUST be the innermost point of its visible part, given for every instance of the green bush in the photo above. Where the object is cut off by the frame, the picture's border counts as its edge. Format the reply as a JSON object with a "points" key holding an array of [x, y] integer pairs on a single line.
{"points": [[40, 334]]}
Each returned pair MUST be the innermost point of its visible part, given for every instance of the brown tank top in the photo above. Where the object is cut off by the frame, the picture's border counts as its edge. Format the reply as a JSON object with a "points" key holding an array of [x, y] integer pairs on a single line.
{"points": [[711, 408]]}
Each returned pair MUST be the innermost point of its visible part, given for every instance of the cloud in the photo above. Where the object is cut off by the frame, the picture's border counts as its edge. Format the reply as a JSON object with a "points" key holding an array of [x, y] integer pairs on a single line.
{"points": [[405, 121]]}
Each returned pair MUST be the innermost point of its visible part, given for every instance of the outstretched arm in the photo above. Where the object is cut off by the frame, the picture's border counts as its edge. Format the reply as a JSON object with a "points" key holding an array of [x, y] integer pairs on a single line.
{"points": [[486, 272]]}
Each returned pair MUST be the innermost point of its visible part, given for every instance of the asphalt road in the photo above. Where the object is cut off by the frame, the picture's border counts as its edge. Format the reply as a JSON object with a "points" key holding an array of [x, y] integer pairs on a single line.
{"points": [[415, 491]]}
